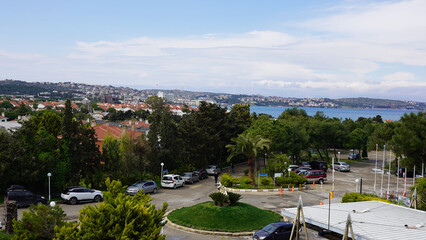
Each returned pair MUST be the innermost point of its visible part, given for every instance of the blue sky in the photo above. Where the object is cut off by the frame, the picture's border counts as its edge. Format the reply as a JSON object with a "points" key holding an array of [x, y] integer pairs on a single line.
{"points": [[275, 48]]}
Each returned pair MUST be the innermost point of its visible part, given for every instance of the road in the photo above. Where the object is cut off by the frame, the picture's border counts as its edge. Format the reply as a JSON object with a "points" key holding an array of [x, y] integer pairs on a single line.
{"points": [[198, 192]]}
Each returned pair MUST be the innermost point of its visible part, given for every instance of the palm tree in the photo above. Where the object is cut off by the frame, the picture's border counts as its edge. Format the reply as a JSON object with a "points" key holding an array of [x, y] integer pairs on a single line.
{"points": [[248, 145]]}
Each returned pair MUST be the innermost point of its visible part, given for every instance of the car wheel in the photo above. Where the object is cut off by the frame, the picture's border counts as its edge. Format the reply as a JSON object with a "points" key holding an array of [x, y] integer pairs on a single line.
{"points": [[97, 198], [174, 186], [154, 191], [73, 201], [192, 181]]}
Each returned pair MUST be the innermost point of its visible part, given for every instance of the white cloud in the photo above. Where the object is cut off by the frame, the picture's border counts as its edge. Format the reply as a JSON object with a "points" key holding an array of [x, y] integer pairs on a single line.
{"points": [[399, 76]]}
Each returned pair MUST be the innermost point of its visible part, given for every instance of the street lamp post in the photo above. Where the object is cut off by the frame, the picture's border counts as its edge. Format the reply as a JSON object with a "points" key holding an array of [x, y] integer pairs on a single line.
{"points": [[339, 156], [162, 164], [375, 169], [383, 169], [332, 165], [356, 184], [48, 176]]}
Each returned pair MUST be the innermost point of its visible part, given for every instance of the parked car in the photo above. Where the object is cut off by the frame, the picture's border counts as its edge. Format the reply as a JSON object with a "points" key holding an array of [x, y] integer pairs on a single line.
{"points": [[172, 181], [305, 164], [409, 174], [293, 167], [23, 197], [190, 177], [148, 186], [318, 176], [319, 165], [212, 169], [342, 167], [73, 195], [302, 169], [277, 230], [353, 156], [202, 173]]}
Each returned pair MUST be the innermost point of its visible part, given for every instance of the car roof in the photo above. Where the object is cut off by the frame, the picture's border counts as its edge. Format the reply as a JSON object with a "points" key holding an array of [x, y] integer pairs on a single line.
{"points": [[280, 224], [171, 175], [315, 171]]}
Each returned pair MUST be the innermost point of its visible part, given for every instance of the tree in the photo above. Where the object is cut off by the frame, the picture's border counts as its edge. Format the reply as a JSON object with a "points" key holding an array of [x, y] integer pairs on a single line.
{"points": [[358, 139], [410, 139], [119, 216], [293, 113], [162, 135], [6, 105], [248, 145], [39, 222]]}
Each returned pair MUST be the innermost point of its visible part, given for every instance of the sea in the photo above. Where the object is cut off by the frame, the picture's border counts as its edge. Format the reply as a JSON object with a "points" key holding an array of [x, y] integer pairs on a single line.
{"points": [[341, 113]]}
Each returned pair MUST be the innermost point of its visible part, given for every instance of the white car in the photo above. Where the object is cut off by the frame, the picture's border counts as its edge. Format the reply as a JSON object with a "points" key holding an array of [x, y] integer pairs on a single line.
{"points": [[342, 166], [172, 181], [74, 195], [212, 169]]}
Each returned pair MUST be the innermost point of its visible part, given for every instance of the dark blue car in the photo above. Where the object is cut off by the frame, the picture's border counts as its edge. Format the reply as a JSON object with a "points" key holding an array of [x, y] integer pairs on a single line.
{"points": [[275, 231]]}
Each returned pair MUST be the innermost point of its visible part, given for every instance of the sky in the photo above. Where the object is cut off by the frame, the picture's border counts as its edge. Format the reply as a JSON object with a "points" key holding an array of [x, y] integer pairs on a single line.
{"points": [[310, 48]]}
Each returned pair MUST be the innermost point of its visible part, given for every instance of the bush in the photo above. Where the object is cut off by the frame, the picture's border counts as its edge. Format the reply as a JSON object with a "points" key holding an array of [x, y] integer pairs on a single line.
{"points": [[119, 216], [357, 197], [233, 198], [294, 179], [421, 193], [246, 180], [265, 181], [228, 180], [246, 172], [218, 198], [39, 222]]}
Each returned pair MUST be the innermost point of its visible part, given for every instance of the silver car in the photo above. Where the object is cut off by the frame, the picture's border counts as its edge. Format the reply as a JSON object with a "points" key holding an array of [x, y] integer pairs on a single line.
{"points": [[147, 186], [190, 177], [213, 169], [342, 167]]}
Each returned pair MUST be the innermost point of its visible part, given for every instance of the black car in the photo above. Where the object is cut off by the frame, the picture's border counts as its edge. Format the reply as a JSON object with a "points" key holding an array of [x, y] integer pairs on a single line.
{"points": [[23, 197], [202, 173], [401, 172], [319, 165], [277, 230]]}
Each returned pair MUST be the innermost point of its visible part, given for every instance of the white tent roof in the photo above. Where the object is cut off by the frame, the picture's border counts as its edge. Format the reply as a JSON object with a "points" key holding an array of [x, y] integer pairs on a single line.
{"points": [[370, 220]]}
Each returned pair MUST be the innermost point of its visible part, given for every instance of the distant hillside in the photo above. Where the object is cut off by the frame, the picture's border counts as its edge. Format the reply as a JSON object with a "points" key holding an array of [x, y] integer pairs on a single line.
{"points": [[16, 87], [378, 103]]}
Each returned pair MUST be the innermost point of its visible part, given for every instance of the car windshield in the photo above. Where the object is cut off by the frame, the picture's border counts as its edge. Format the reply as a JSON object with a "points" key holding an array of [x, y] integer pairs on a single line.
{"points": [[167, 178], [187, 175], [343, 163], [270, 228]]}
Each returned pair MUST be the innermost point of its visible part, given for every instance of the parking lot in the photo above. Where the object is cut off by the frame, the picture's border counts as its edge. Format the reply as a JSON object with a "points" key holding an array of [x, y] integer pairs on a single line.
{"points": [[198, 192]]}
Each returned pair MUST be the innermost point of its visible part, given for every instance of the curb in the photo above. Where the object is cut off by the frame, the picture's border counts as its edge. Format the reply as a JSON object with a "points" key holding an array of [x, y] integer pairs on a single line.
{"points": [[261, 190], [193, 230]]}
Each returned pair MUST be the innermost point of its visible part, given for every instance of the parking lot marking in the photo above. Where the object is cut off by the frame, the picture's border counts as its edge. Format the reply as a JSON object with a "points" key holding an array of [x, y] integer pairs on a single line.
{"points": [[196, 186]]}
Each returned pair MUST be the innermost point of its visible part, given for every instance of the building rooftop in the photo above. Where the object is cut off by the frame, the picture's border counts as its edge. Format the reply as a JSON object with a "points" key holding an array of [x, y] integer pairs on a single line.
{"points": [[370, 220]]}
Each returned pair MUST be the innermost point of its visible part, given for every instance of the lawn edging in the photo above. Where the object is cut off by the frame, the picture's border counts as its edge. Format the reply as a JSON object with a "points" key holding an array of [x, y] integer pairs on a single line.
{"points": [[194, 230], [276, 190]]}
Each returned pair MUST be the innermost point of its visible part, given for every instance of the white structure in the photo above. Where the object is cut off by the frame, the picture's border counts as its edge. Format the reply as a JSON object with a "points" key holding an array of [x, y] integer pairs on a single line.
{"points": [[370, 220]]}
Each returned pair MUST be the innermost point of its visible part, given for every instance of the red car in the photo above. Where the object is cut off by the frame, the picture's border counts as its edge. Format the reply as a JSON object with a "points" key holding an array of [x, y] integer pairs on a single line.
{"points": [[318, 176]]}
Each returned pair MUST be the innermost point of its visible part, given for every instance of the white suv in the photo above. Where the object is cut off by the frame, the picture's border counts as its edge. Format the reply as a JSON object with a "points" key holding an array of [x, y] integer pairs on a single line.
{"points": [[74, 195], [172, 181]]}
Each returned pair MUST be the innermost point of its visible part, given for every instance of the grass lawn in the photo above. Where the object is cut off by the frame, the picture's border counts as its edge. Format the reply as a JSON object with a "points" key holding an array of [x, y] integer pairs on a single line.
{"points": [[207, 216]]}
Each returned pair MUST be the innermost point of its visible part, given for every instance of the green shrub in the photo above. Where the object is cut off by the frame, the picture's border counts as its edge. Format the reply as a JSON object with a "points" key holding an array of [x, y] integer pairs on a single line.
{"points": [[4, 236], [246, 172], [119, 216], [219, 198], [246, 180], [294, 179], [357, 197], [39, 222], [234, 198], [265, 181], [228, 180]]}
